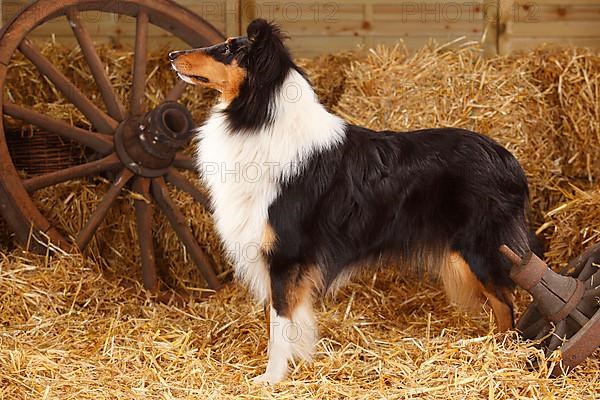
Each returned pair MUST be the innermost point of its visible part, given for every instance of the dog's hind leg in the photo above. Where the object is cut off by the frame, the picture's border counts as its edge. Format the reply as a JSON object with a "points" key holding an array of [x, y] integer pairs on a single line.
{"points": [[462, 287], [466, 290], [501, 303]]}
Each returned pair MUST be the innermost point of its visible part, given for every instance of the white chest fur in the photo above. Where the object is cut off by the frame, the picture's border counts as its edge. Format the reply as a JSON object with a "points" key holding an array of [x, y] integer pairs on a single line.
{"points": [[243, 171]]}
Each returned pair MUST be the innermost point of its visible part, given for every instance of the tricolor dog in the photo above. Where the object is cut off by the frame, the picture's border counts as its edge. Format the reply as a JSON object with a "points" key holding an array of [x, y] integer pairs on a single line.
{"points": [[302, 199]]}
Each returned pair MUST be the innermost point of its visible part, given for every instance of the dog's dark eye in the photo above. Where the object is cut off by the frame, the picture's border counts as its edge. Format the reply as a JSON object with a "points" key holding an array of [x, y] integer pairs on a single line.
{"points": [[225, 49]]}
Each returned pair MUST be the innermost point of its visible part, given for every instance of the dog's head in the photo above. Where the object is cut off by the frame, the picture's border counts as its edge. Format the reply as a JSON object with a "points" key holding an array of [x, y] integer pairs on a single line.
{"points": [[253, 61]]}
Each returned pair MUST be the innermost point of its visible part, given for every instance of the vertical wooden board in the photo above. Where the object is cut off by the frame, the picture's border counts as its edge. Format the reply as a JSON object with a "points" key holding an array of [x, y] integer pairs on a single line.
{"points": [[415, 42], [98, 24], [368, 21], [310, 46], [167, 43], [532, 13], [504, 21], [232, 18], [248, 11], [490, 27], [557, 29]]}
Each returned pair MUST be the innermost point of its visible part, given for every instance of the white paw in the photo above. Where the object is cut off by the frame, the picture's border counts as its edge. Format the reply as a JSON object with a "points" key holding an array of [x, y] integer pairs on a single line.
{"points": [[268, 379]]}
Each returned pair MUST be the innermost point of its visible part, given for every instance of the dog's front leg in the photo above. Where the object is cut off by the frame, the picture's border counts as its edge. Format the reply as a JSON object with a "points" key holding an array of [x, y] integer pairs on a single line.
{"points": [[292, 327], [280, 348]]}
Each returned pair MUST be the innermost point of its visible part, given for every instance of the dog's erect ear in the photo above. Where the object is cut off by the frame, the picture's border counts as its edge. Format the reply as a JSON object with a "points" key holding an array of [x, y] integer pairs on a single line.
{"points": [[260, 31], [267, 52]]}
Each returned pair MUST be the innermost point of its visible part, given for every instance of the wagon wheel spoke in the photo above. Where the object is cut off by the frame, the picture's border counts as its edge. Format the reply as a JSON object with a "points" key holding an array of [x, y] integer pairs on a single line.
{"points": [[107, 163], [177, 221], [595, 292], [139, 63], [100, 143], [184, 161], [182, 183], [85, 235], [588, 270], [176, 91], [143, 217], [559, 335], [113, 105], [102, 122], [533, 328], [544, 330]]}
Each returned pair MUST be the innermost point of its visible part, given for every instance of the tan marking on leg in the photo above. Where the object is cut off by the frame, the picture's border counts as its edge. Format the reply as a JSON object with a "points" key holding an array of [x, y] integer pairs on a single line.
{"points": [[299, 291], [268, 239], [461, 285], [293, 330], [300, 298], [464, 289], [502, 312]]}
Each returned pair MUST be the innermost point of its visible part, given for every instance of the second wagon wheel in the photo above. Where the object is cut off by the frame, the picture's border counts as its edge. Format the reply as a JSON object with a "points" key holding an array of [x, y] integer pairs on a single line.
{"points": [[135, 148], [565, 312]]}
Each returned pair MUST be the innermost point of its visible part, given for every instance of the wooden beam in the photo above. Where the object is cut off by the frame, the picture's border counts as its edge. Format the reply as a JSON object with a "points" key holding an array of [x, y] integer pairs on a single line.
{"points": [[505, 9], [247, 12], [232, 18], [367, 24], [490, 28]]}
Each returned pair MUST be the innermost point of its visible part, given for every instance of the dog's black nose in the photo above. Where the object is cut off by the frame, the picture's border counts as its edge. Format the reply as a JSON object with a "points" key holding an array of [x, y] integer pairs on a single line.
{"points": [[173, 55]]}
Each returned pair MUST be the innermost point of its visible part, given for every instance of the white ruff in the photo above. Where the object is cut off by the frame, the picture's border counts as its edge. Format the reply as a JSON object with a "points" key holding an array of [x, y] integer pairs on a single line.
{"points": [[243, 170]]}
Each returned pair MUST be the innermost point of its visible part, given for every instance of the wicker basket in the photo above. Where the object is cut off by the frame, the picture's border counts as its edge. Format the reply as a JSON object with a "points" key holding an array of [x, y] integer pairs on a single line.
{"points": [[38, 152]]}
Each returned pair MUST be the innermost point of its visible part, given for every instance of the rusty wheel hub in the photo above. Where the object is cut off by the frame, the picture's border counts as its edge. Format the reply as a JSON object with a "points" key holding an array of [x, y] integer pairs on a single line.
{"points": [[147, 145], [565, 312]]}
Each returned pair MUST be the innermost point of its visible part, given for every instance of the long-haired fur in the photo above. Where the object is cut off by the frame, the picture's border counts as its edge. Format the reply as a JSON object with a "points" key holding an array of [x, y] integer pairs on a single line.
{"points": [[302, 198]]}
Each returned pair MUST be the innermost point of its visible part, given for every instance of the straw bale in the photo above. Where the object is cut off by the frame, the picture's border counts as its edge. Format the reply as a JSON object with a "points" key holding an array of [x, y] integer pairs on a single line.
{"points": [[328, 73], [69, 205], [436, 87], [572, 225], [570, 79], [530, 103]]}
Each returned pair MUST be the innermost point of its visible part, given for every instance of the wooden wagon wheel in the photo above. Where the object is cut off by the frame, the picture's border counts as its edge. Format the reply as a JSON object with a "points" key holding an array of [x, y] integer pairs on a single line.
{"points": [[139, 147], [565, 312]]}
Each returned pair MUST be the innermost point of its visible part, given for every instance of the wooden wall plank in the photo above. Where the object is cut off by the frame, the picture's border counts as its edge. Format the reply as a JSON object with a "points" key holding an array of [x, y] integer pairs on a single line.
{"points": [[318, 27], [328, 26], [529, 24], [556, 29], [527, 43]]}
